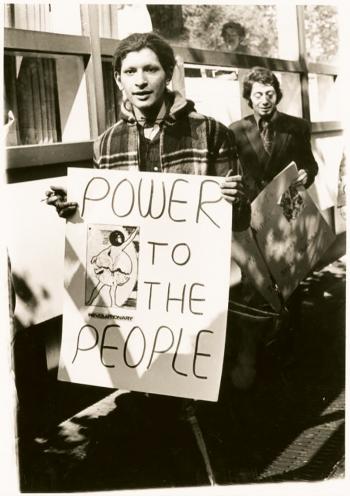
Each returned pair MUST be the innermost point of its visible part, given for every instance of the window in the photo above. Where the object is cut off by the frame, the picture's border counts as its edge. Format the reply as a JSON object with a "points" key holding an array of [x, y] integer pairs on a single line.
{"points": [[119, 20], [47, 95], [324, 105], [321, 31], [49, 17], [254, 29]]}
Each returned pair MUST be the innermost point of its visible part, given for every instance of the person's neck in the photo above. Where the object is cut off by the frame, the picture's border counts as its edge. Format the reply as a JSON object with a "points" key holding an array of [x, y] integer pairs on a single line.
{"points": [[149, 115], [267, 117]]}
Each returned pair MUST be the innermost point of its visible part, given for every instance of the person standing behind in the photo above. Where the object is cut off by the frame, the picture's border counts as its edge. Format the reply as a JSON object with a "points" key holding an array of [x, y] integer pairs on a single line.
{"points": [[233, 33], [267, 141]]}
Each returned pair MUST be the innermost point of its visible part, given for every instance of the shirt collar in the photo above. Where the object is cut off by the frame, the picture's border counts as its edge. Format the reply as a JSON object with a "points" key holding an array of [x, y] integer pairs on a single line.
{"points": [[259, 119], [143, 122]]}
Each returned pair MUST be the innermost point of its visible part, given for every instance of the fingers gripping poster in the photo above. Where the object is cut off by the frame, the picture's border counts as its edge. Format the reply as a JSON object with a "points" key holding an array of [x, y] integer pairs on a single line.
{"points": [[147, 267]]}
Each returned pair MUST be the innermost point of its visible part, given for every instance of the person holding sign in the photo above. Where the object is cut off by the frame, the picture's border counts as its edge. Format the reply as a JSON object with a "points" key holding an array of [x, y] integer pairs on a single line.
{"points": [[159, 130], [267, 141]]}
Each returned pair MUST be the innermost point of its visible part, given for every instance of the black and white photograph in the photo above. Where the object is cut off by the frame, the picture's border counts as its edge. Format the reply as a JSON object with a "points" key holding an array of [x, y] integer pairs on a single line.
{"points": [[173, 253]]}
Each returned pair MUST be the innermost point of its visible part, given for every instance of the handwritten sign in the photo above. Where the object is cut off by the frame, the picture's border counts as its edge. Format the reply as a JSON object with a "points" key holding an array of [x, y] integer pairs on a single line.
{"points": [[147, 268], [290, 231]]}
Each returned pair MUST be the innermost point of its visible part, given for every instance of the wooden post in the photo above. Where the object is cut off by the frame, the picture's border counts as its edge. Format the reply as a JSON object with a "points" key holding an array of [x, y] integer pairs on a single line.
{"points": [[304, 80], [93, 71]]}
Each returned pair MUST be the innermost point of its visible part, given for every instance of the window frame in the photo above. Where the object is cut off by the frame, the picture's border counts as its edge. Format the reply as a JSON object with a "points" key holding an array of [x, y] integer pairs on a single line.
{"points": [[93, 49]]}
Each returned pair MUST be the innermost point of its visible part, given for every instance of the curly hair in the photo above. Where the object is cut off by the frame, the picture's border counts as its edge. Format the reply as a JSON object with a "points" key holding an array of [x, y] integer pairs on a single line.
{"points": [[263, 76], [233, 25], [136, 42]]}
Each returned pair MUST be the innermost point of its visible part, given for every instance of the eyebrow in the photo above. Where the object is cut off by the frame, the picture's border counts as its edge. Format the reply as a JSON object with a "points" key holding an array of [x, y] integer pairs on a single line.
{"points": [[148, 66]]}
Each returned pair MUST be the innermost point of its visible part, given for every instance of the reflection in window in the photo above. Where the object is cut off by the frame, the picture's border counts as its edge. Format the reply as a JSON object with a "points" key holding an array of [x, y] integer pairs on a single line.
{"points": [[321, 31], [47, 96], [200, 26]]}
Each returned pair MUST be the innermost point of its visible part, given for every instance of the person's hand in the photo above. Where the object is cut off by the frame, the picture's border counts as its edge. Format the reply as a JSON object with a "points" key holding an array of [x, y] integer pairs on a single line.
{"points": [[57, 197], [233, 189], [301, 179]]}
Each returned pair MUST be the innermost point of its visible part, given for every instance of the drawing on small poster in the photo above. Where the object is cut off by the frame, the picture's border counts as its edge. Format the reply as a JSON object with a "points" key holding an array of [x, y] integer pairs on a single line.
{"points": [[292, 203], [112, 266]]}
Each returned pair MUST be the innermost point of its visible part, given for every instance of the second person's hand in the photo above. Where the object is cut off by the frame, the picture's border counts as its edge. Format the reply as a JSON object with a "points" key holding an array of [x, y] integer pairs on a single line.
{"points": [[57, 197]]}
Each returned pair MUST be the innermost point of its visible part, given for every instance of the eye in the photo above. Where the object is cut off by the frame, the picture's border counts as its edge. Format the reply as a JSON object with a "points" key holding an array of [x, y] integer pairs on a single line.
{"points": [[152, 69], [257, 95], [129, 71]]}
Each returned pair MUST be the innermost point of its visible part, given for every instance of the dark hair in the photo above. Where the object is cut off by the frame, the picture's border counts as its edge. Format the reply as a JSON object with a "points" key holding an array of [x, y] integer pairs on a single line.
{"points": [[234, 25], [263, 76], [137, 41], [113, 238]]}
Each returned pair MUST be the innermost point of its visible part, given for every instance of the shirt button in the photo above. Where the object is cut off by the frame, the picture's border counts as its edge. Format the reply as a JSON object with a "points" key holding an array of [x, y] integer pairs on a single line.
{"points": [[156, 169]]}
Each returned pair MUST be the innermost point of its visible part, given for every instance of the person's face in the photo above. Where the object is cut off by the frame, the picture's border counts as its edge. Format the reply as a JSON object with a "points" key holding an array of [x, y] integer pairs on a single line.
{"points": [[263, 98], [232, 38], [143, 80]]}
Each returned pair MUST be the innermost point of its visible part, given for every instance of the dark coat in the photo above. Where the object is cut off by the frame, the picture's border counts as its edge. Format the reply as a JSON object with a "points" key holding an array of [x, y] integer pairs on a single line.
{"points": [[291, 143]]}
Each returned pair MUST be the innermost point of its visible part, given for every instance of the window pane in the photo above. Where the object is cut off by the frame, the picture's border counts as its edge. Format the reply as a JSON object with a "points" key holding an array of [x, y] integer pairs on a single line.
{"points": [[291, 88], [111, 93], [323, 94], [47, 96], [119, 20], [321, 31], [50, 17], [265, 30], [215, 91]]}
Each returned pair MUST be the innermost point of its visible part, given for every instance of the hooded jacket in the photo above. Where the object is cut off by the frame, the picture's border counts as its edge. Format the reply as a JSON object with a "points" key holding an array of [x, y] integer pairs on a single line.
{"points": [[190, 143]]}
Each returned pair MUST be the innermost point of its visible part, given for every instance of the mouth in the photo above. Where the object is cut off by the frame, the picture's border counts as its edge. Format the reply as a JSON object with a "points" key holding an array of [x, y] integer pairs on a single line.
{"points": [[142, 95]]}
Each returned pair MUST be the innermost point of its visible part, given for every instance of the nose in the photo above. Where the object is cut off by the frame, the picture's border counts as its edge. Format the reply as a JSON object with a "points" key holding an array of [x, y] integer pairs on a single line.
{"points": [[264, 99], [140, 79]]}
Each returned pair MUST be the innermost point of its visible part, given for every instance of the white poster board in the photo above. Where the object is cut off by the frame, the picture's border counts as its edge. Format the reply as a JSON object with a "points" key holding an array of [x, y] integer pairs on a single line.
{"points": [[291, 232], [148, 314]]}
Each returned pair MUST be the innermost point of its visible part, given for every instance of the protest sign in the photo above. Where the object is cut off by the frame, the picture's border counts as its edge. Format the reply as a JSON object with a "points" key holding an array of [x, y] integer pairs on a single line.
{"points": [[147, 269]]}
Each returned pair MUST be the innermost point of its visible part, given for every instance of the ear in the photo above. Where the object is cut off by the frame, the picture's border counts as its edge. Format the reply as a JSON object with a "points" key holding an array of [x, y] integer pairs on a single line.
{"points": [[118, 81]]}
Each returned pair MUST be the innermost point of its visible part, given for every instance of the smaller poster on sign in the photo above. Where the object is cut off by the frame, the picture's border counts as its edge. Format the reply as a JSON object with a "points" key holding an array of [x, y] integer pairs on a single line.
{"points": [[147, 271]]}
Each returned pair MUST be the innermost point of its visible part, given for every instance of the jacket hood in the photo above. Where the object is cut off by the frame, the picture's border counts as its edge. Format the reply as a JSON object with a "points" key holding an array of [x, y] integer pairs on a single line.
{"points": [[177, 106]]}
